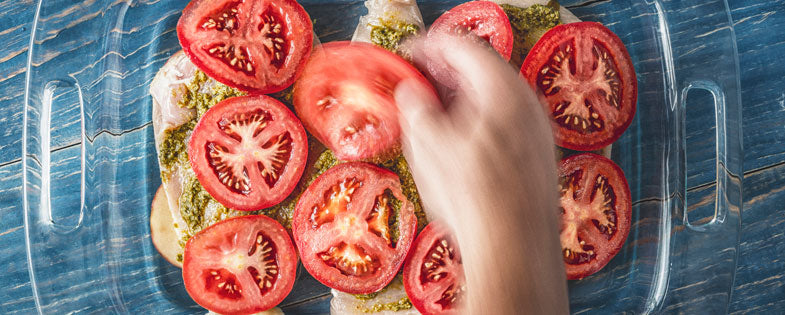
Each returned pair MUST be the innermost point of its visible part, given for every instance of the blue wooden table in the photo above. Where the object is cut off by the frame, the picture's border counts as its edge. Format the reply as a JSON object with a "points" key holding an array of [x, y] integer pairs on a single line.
{"points": [[759, 285]]}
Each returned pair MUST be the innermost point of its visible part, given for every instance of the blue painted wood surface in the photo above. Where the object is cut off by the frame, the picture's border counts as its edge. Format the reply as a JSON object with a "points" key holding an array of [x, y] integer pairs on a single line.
{"points": [[760, 275]]}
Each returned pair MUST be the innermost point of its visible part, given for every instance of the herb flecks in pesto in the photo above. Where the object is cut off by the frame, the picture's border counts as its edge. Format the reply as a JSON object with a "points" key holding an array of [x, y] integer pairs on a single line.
{"points": [[393, 223], [366, 297], [401, 167], [195, 96], [403, 304], [528, 25], [193, 202], [396, 305], [325, 161], [173, 150], [389, 33]]}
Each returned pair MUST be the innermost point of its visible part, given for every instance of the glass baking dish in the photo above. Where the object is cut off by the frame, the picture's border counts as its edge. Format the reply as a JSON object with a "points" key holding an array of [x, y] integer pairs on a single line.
{"points": [[90, 167]]}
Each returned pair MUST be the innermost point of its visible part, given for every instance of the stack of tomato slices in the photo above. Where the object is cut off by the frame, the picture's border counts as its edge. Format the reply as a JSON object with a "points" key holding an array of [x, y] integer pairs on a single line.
{"points": [[353, 227]]}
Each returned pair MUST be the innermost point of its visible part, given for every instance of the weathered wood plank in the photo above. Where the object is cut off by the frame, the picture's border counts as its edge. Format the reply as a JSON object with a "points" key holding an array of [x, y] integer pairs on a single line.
{"points": [[760, 274]]}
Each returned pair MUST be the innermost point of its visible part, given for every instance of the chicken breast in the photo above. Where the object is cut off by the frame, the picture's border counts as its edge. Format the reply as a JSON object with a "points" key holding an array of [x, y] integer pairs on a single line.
{"points": [[167, 89]]}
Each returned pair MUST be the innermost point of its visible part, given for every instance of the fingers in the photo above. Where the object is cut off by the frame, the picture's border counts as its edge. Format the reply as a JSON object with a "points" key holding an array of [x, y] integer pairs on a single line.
{"points": [[424, 124], [480, 68], [419, 108], [428, 143]]}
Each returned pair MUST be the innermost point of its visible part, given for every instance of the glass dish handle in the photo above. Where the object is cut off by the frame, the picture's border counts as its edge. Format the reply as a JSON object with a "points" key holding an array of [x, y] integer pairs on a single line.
{"points": [[68, 239], [700, 54], [721, 203]]}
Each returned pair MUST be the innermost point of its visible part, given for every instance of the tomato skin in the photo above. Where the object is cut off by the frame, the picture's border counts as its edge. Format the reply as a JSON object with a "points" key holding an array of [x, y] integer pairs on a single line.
{"points": [[345, 99], [577, 200], [487, 19], [583, 75], [230, 240], [316, 240], [260, 194], [424, 297], [297, 31]]}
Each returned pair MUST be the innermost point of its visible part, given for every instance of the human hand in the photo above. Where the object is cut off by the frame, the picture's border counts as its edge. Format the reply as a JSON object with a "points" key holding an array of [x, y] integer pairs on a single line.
{"points": [[485, 165]]}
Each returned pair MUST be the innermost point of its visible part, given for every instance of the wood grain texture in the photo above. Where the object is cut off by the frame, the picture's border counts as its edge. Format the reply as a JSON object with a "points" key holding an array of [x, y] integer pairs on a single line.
{"points": [[759, 285], [114, 72]]}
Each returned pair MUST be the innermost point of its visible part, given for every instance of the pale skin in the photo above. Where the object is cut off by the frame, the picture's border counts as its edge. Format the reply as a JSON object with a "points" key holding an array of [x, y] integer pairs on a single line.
{"points": [[486, 167]]}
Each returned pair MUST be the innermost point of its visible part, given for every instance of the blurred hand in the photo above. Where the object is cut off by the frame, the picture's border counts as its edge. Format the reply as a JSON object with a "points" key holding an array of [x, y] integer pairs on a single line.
{"points": [[486, 167]]}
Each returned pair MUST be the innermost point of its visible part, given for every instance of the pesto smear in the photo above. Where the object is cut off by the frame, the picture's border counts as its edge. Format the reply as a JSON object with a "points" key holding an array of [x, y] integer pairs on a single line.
{"points": [[399, 166], [400, 304], [173, 150], [528, 25], [195, 203], [403, 304], [390, 32]]}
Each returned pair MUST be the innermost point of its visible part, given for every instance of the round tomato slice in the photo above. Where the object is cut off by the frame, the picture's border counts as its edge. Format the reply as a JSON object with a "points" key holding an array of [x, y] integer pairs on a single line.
{"points": [[484, 19], [248, 152], [353, 227], [257, 46], [595, 212], [241, 265], [587, 79], [433, 274], [345, 99]]}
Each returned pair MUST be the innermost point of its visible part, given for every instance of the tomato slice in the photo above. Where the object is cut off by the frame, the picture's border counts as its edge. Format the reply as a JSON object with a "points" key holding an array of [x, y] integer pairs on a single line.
{"points": [[586, 77], [257, 46], [248, 152], [433, 274], [353, 227], [484, 19], [345, 99], [595, 212], [241, 265]]}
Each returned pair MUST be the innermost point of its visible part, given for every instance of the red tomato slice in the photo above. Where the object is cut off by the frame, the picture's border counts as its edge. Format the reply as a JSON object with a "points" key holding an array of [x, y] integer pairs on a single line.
{"points": [[257, 46], [433, 274], [587, 79], [595, 212], [241, 265], [345, 99], [248, 152], [483, 18], [353, 227]]}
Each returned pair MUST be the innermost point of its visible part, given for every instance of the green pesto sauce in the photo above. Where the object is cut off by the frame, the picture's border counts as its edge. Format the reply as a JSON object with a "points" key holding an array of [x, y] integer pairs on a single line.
{"points": [[390, 32], [193, 98], [403, 304], [369, 296], [528, 25], [173, 152], [395, 233], [173, 147], [399, 166], [193, 201], [325, 161]]}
